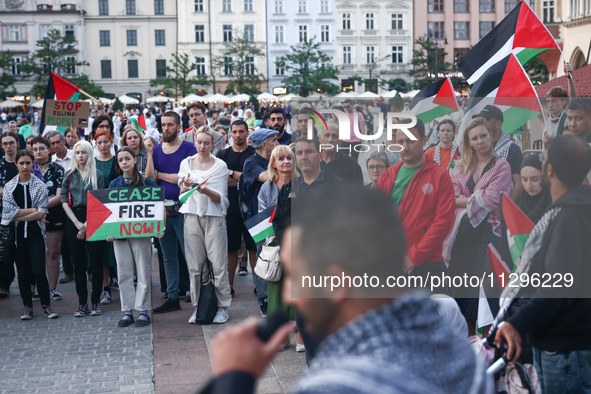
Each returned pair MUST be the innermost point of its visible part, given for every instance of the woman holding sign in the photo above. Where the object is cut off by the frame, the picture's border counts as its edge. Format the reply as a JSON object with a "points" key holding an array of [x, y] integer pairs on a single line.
{"points": [[81, 178], [133, 253], [205, 177]]}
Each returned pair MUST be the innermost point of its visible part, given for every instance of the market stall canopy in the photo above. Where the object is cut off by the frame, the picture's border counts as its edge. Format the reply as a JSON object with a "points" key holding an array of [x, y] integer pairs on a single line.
{"points": [[38, 104], [216, 98], [410, 94], [126, 100], [391, 94], [106, 100], [345, 95], [240, 97], [368, 96], [267, 96], [190, 98], [11, 104], [159, 99]]}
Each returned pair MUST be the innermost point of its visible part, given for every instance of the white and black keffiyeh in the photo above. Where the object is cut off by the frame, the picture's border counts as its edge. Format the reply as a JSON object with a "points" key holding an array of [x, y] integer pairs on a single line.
{"points": [[502, 146], [39, 200]]}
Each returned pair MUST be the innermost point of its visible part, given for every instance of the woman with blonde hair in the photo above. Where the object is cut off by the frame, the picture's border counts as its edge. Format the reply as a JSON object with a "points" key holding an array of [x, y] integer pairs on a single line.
{"points": [[479, 179], [79, 179]]}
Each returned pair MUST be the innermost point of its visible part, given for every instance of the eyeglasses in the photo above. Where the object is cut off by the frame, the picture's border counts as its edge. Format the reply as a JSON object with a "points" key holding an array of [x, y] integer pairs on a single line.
{"points": [[376, 167]]}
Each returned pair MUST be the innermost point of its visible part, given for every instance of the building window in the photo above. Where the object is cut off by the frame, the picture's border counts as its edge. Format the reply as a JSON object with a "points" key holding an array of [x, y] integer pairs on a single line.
{"points": [[160, 38], [198, 5], [15, 66], [370, 54], [159, 7], [44, 29], [199, 33], [70, 64], [160, 68], [303, 32], [397, 54], [226, 5], [397, 21], [461, 6], [487, 5], [435, 30], [104, 8], [485, 28], [510, 4], [279, 6], [227, 33], [461, 30], [249, 33], [132, 68], [248, 6], [548, 11], [199, 65], [369, 22], [106, 69], [324, 6], [131, 38], [459, 53], [105, 38], [303, 6], [228, 66], [279, 70], [346, 21], [324, 33], [249, 68], [130, 7], [14, 33], [347, 55], [435, 6], [279, 31], [69, 31], [68, 7]]}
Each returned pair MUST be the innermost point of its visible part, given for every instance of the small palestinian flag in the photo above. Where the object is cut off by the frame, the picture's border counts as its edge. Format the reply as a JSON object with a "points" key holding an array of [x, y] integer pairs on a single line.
{"points": [[185, 196], [139, 122], [489, 291], [485, 315], [507, 86], [435, 100], [519, 226], [500, 268], [260, 226], [521, 33], [58, 89]]}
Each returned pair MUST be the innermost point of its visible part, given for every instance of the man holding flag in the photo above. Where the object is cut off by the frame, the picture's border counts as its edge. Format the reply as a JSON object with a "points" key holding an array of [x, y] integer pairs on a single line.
{"points": [[556, 319]]}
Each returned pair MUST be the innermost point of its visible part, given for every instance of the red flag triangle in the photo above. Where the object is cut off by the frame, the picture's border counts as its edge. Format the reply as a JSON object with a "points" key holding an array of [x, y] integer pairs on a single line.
{"points": [[446, 96], [500, 268], [515, 89], [530, 32], [97, 213], [517, 221], [63, 89]]}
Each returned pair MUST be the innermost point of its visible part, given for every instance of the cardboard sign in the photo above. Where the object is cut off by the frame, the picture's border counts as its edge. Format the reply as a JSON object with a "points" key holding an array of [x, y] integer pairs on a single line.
{"points": [[66, 113], [125, 213]]}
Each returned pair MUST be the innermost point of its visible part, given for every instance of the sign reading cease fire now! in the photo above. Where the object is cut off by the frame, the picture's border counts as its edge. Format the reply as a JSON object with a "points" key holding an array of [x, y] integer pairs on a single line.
{"points": [[125, 213]]}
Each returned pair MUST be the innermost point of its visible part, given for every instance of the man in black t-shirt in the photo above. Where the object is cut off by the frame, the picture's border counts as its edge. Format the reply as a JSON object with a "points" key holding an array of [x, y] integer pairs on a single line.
{"points": [[235, 156], [8, 170]]}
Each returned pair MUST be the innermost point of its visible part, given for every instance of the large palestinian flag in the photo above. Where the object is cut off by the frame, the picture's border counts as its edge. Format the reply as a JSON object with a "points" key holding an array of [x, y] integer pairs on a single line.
{"points": [[507, 86], [435, 100], [58, 89], [521, 33]]}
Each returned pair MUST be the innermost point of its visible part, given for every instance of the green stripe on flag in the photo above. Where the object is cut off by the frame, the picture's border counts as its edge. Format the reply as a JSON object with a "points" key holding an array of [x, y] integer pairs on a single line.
{"points": [[516, 117], [434, 113], [516, 247], [263, 234], [526, 54]]}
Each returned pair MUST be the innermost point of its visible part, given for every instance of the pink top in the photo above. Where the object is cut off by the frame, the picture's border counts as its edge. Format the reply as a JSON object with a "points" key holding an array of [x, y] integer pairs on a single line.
{"points": [[352, 136]]}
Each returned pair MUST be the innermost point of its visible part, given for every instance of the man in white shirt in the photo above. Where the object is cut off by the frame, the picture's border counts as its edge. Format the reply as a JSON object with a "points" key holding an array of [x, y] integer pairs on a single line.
{"points": [[60, 154]]}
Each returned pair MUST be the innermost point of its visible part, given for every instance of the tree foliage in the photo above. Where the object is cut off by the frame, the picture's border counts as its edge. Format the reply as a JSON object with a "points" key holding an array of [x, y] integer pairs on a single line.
{"points": [[7, 80], [307, 69], [117, 105], [425, 62], [55, 54], [179, 76], [537, 71], [240, 57]]}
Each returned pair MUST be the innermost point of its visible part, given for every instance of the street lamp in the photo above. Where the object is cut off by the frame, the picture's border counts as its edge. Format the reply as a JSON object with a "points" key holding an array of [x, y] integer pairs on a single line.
{"points": [[436, 37]]}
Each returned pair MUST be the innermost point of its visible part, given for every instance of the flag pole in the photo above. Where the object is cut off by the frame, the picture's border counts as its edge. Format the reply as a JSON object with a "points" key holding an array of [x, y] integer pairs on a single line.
{"points": [[89, 96]]}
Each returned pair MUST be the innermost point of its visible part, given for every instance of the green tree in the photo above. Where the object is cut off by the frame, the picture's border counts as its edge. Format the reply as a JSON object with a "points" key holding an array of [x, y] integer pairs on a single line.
{"points": [[84, 83], [7, 80], [537, 71], [179, 76], [237, 60], [117, 105], [428, 67], [308, 68], [56, 54]]}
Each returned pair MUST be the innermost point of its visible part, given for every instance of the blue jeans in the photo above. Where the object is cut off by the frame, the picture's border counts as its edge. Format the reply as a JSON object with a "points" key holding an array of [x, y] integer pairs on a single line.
{"points": [[563, 372], [173, 235]]}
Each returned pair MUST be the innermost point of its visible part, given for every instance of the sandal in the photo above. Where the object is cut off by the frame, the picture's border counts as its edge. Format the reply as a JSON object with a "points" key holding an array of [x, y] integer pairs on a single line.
{"points": [[127, 319], [143, 319]]}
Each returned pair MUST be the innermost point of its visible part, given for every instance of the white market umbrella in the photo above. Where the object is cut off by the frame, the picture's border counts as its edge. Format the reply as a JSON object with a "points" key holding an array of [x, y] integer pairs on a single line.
{"points": [[368, 96], [126, 100], [106, 100], [390, 94], [190, 98], [288, 97], [240, 97], [11, 104], [410, 94], [267, 96], [216, 97], [38, 104], [346, 95], [159, 99]]}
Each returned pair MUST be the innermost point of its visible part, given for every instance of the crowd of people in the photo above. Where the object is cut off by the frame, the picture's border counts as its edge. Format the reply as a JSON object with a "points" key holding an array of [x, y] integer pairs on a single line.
{"points": [[443, 201]]}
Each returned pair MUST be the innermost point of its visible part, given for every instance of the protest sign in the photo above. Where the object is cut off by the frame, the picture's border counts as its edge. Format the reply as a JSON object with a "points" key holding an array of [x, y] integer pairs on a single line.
{"points": [[125, 213], [67, 113]]}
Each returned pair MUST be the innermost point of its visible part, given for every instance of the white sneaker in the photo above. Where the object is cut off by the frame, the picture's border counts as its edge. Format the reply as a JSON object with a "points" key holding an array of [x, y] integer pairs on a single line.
{"points": [[300, 348], [193, 318], [221, 316]]}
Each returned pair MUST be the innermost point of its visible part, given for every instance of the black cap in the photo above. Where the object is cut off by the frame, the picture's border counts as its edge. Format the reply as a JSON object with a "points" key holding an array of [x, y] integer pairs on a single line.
{"points": [[490, 111]]}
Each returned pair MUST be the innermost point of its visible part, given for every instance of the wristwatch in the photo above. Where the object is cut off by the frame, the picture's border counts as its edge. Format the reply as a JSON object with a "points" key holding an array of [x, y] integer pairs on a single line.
{"points": [[231, 173]]}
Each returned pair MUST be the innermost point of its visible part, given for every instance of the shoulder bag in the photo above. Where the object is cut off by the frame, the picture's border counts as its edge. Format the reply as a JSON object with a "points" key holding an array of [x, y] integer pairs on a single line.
{"points": [[268, 266], [207, 306]]}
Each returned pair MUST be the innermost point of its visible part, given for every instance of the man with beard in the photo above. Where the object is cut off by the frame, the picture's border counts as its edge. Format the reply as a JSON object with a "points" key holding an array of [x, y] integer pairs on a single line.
{"points": [[373, 339], [235, 156], [198, 118], [556, 318], [164, 161], [277, 122]]}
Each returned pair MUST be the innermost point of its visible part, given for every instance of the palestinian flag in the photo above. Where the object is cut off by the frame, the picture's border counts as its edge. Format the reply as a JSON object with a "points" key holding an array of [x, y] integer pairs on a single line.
{"points": [[435, 100], [58, 89], [500, 268], [185, 196], [260, 226], [507, 86], [139, 122], [491, 291], [485, 315], [521, 33], [519, 226]]}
